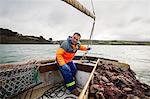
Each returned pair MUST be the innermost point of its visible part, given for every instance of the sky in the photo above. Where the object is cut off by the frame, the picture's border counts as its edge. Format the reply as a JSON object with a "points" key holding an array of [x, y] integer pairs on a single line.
{"points": [[115, 19]]}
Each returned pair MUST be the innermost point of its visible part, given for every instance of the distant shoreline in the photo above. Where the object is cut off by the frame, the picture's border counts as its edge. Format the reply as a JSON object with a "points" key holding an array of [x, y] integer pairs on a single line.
{"points": [[85, 43], [9, 37]]}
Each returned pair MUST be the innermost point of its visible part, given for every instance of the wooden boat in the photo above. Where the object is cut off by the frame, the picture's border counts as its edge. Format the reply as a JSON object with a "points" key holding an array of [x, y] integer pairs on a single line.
{"points": [[49, 77], [40, 79]]}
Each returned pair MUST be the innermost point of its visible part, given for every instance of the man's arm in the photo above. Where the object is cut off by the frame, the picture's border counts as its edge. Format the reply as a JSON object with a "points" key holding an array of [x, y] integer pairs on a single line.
{"points": [[59, 57], [83, 48]]}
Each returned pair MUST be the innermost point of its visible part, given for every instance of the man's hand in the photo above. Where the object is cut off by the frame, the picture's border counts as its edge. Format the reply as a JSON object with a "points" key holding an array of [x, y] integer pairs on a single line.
{"points": [[89, 48]]}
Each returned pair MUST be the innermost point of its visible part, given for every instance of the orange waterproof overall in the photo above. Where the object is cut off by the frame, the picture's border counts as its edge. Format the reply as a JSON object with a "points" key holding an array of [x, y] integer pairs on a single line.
{"points": [[64, 56]]}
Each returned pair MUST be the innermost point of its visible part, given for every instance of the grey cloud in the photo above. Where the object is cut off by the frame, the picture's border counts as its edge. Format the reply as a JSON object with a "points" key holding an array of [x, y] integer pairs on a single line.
{"points": [[125, 19], [136, 19]]}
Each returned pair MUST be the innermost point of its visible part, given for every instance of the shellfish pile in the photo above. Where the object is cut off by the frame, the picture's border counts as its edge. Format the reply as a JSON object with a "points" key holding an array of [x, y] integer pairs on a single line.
{"points": [[113, 82]]}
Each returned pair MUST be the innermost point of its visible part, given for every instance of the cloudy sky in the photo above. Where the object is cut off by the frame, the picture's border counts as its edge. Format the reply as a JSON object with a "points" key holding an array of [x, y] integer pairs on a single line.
{"points": [[115, 19]]}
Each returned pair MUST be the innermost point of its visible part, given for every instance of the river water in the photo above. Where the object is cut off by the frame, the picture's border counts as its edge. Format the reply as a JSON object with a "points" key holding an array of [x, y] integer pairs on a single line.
{"points": [[138, 57]]}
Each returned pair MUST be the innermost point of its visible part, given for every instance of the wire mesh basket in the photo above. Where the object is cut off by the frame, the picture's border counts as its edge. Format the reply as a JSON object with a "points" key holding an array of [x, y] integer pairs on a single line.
{"points": [[17, 79]]}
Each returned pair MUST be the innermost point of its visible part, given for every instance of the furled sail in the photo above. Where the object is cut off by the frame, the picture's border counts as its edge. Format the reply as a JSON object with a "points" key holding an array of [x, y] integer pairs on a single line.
{"points": [[80, 7]]}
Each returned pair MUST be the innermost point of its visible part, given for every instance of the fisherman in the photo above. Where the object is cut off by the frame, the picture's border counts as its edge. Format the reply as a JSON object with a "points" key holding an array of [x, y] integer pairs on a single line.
{"points": [[64, 56]]}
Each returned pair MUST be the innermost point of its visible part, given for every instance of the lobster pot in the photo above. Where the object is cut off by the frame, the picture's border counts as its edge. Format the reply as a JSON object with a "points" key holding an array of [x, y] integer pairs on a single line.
{"points": [[15, 80]]}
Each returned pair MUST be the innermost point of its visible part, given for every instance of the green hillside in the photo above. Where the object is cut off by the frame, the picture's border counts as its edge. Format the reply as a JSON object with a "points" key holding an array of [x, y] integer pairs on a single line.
{"points": [[9, 37]]}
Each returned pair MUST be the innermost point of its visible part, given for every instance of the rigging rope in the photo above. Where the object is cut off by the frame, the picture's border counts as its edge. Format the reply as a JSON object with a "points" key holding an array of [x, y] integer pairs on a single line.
{"points": [[92, 30]]}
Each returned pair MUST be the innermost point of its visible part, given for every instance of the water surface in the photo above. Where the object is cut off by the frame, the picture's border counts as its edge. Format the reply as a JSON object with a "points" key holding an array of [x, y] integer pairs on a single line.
{"points": [[138, 57]]}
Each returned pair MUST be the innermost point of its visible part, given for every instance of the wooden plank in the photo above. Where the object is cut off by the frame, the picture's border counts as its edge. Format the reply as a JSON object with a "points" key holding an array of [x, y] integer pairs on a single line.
{"points": [[86, 94], [93, 58], [19, 64], [84, 67], [53, 66], [82, 94], [48, 67]]}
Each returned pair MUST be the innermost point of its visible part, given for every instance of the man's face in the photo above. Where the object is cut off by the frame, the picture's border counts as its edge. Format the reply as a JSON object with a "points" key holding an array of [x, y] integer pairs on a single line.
{"points": [[75, 38]]}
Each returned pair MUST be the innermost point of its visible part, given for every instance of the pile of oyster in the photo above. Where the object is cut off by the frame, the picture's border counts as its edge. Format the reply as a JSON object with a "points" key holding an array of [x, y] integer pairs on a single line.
{"points": [[112, 82]]}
